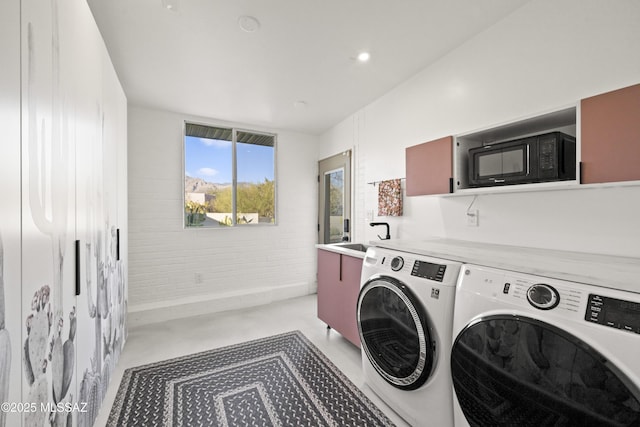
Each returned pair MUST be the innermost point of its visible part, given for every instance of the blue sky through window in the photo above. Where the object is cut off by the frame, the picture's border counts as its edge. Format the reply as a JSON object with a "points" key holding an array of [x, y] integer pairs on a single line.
{"points": [[255, 162], [210, 159]]}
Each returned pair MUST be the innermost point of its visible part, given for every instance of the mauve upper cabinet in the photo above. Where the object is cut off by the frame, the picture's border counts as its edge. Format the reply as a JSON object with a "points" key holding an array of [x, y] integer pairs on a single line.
{"points": [[430, 167], [610, 125]]}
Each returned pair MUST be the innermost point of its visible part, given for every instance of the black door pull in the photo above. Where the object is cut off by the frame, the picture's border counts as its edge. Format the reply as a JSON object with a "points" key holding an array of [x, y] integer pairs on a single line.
{"points": [[77, 267]]}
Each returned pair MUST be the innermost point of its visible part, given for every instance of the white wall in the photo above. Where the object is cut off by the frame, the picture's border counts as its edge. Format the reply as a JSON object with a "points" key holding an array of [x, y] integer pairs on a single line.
{"points": [[545, 56], [257, 263]]}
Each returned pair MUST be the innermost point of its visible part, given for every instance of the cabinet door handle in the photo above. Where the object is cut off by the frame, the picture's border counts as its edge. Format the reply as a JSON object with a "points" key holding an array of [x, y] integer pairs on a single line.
{"points": [[77, 267], [118, 244], [341, 267]]}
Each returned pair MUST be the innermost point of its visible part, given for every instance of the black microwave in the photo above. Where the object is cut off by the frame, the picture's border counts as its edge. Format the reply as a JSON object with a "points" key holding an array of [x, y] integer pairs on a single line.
{"points": [[540, 158]]}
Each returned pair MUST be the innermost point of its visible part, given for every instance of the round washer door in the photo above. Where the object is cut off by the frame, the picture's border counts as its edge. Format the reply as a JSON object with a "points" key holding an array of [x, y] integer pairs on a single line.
{"points": [[394, 332], [519, 371]]}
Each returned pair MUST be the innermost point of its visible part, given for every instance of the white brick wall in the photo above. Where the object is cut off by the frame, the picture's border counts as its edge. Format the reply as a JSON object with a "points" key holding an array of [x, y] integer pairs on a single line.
{"points": [[170, 266]]}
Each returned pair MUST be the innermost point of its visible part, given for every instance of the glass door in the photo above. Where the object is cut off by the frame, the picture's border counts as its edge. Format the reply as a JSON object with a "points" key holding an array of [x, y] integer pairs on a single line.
{"points": [[334, 204], [394, 333], [513, 370]]}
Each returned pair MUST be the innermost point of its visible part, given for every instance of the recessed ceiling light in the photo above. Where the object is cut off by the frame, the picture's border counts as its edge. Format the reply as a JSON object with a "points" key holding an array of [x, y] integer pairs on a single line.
{"points": [[171, 5], [248, 24], [363, 56]]}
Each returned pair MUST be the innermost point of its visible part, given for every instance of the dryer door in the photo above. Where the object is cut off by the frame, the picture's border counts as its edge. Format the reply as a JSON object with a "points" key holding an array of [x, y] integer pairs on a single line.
{"points": [[514, 370], [394, 332]]}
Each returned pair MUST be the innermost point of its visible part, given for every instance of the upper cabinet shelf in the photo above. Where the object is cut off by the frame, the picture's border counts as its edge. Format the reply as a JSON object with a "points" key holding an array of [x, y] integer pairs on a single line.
{"points": [[563, 120], [606, 129]]}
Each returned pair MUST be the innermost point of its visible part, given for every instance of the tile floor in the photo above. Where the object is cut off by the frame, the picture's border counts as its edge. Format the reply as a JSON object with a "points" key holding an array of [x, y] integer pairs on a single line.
{"points": [[160, 341]]}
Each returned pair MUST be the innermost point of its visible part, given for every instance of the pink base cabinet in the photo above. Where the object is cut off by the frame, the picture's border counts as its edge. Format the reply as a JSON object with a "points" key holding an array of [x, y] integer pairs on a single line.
{"points": [[338, 288]]}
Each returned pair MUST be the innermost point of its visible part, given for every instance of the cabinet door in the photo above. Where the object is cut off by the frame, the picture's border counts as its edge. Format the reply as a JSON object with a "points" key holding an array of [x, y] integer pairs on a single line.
{"points": [[338, 288], [610, 139], [351, 271], [92, 210], [10, 238], [48, 210], [430, 167], [101, 169], [329, 287], [120, 289]]}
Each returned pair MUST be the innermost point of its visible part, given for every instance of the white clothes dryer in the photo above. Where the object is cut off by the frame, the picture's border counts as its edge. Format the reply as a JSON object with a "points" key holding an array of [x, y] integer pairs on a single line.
{"points": [[405, 315], [534, 351]]}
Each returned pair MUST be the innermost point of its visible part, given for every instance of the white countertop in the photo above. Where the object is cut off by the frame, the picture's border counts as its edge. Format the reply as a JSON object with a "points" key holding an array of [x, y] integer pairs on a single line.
{"points": [[341, 249], [595, 269]]}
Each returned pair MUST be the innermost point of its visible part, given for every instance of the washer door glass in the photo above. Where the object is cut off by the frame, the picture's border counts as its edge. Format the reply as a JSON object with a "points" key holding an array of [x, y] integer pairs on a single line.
{"points": [[394, 333], [510, 370]]}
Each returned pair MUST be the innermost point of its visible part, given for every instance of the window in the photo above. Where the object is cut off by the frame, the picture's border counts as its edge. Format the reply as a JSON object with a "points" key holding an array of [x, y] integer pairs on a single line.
{"points": [[229, 177]]}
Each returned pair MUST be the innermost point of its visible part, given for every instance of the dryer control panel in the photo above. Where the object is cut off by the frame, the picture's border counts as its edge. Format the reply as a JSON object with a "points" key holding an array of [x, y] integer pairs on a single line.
{"points": [[428, 270], [612, 312], [406, 266]]}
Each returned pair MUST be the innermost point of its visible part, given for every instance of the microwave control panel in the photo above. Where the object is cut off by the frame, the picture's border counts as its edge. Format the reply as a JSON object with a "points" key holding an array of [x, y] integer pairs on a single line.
{"points": [[547, 153]]}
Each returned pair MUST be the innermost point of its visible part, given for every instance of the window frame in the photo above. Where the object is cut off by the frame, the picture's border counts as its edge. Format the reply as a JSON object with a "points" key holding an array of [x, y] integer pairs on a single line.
{"points": [[234, 167]]}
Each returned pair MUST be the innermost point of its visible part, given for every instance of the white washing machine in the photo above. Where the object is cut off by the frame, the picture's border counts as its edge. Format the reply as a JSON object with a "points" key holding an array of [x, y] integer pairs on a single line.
{"points": [[534, 351], [405, 314]]}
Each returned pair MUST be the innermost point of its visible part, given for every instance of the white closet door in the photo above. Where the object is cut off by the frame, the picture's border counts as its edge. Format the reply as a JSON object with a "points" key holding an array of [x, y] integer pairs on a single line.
{"points": [[101, 303], [10, 244], [91, 207], [115, 185], [48, 209]]}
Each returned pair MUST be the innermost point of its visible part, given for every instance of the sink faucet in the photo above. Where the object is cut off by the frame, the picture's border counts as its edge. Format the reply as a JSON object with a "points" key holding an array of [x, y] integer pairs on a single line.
{"points": [[386, 224], [345, 230]]}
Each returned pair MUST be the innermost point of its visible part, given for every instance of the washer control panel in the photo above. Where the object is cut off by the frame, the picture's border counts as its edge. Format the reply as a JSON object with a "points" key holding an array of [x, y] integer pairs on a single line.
{"points": [[428, 270], [613, 312], [558, 298], [557, 301]]}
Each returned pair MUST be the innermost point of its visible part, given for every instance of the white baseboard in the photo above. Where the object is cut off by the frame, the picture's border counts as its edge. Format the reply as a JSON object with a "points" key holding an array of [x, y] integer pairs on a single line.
{"points": [[204, 304]]}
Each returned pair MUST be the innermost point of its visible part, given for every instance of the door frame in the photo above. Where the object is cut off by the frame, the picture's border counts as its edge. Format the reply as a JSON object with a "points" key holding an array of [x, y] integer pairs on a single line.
{"points": [[336, 162]]}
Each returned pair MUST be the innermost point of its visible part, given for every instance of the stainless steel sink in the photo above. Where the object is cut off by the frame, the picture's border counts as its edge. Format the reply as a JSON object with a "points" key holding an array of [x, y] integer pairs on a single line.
{"points": [[353, 246]]}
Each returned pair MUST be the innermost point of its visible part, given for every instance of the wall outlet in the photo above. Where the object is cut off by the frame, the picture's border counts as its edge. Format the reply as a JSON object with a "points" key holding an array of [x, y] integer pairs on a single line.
{"points": [[370, 215], [197, 278], [473, 217]]}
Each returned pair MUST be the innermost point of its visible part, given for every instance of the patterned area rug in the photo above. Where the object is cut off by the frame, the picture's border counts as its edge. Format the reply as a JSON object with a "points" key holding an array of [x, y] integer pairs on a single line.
{"points": [[283, 380]]}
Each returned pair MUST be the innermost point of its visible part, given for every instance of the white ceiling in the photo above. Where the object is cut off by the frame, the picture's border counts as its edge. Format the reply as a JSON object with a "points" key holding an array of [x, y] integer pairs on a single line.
{"points": [[196, 59]]}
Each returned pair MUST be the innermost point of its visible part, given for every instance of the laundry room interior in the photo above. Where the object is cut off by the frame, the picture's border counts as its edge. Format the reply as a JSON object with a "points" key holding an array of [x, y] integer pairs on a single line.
{"points": [[250, 213]]}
